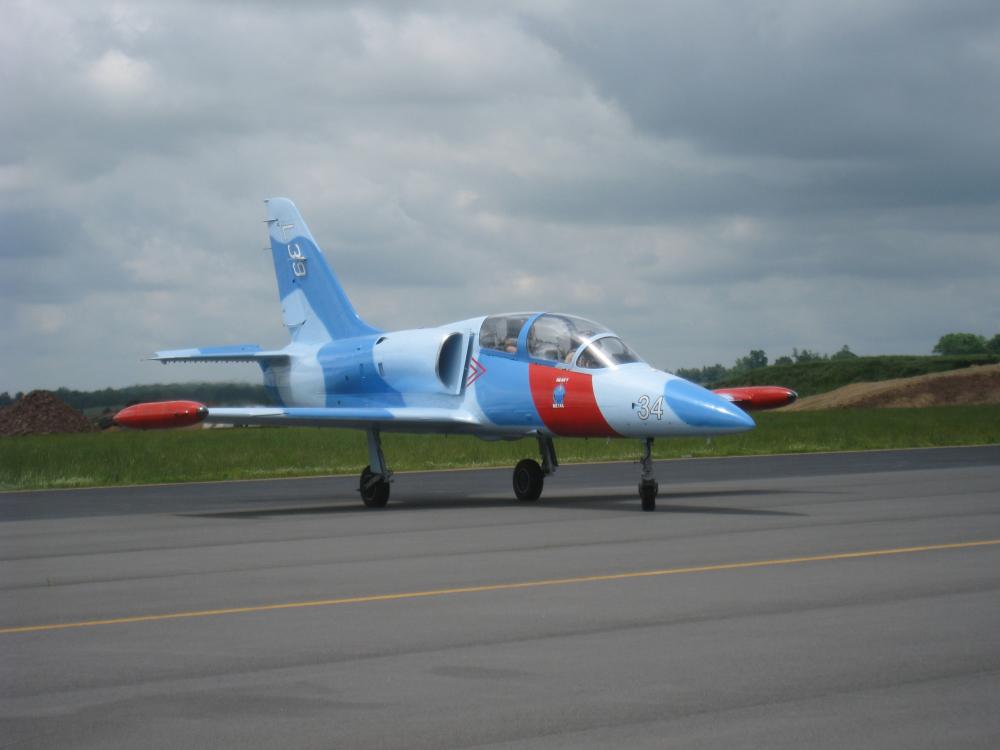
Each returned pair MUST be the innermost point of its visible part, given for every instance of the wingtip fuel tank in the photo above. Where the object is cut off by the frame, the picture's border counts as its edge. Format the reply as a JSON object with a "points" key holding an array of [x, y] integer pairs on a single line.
{"points": [[758, 397], [161, 415]]}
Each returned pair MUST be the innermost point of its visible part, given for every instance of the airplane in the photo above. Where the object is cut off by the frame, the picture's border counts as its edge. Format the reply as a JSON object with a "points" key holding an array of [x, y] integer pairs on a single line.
{"points": [[500, 376]]}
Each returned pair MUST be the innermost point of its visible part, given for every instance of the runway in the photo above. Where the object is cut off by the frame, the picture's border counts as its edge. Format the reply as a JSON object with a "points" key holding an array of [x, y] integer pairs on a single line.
{"points": [[823, 601]]}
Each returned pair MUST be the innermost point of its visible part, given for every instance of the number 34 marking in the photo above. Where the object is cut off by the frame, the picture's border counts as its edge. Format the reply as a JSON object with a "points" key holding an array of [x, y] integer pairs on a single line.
{"points": [[647, 407]]}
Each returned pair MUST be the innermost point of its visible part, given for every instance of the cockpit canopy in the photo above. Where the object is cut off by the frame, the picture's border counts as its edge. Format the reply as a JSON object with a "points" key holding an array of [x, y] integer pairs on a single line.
{"points": [[500, 332], [556, 338]]}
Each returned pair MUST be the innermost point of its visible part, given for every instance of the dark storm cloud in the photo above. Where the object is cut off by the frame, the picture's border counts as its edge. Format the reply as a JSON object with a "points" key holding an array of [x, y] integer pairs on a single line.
{"points": [[879, 104], [650, 193], [802, 79]]}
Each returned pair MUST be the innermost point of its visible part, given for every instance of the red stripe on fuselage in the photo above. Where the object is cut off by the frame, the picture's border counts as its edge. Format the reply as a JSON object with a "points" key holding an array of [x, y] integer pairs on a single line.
{"points": [[574, 413]]}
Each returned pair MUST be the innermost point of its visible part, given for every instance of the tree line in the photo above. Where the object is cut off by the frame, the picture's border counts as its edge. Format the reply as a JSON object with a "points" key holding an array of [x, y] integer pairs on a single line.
{"points": [[212, 394], [967, 343], [951, 344], [757, 359]]}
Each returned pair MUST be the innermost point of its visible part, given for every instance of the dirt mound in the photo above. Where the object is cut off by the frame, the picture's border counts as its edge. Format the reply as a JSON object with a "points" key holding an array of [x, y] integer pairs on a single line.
{"points": [[41, 413], [971, 385]]}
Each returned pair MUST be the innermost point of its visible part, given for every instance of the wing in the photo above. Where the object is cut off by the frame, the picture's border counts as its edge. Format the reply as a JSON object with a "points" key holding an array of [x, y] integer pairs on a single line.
{"points": [[160, 415], [396, 419]]}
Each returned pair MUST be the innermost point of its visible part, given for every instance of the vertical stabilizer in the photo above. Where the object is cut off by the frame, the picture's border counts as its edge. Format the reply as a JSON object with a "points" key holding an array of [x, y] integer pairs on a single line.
{"points": [[313, 304]]}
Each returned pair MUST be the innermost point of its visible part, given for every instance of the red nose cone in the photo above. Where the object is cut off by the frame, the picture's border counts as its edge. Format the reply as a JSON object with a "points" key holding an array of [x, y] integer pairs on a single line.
{"points": [[758, 397], [161, 415]]}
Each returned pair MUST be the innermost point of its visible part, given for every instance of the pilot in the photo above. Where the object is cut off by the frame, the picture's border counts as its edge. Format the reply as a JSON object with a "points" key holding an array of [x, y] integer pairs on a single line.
{"points": [[586, 359]]}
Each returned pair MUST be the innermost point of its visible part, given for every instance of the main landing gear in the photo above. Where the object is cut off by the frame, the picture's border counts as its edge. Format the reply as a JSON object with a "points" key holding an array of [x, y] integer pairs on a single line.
{"points": [[529, 476], [648, 486], [375, 478]]}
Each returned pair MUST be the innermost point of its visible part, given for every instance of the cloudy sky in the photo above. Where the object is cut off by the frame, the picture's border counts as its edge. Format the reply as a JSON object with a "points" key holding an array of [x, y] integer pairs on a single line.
{"points": [[704, 178]]}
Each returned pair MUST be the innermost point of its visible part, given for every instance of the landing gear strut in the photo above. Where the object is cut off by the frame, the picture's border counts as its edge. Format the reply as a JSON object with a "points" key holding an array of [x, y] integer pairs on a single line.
{"points": [[375, 478], [648, 486], [529, 476]]}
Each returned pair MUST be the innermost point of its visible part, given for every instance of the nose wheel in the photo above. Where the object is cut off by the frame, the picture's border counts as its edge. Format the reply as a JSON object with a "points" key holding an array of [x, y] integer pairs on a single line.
{"points": [[648, 486], [647, 493]]}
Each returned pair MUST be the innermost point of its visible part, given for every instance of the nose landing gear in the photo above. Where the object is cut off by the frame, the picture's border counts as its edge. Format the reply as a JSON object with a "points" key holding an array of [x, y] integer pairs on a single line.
{"points": [[648, 486], [529, 475]]}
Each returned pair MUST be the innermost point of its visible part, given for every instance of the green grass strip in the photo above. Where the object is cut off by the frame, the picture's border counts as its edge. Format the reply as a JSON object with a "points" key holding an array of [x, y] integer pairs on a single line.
{"points": [[90, 460]]}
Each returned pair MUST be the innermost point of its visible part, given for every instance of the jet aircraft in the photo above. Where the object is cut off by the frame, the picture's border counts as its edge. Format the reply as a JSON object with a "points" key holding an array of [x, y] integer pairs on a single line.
{"points": [[501, 376]]}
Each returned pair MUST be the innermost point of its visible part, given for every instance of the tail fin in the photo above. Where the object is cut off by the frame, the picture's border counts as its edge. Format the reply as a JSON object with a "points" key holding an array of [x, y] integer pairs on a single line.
{"points": [[313, 304]]}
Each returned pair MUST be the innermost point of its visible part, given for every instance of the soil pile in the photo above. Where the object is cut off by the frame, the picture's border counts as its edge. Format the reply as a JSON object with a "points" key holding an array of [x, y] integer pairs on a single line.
{"points": [[971, 385], [41, 413]]}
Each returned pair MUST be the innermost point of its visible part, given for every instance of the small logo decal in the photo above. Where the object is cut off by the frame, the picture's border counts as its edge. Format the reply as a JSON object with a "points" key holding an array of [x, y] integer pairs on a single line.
{"points": [[476, 371], [559, 394]]}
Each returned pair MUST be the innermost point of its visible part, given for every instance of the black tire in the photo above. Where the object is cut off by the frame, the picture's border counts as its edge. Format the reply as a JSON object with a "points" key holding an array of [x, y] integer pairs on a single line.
{"points": [[528, 480], [373, 494], [647, 493]]}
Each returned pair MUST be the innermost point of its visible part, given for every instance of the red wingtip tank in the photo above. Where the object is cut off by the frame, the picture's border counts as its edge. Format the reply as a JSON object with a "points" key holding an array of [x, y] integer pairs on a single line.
{"points": [[161, 415], [758, 397]]}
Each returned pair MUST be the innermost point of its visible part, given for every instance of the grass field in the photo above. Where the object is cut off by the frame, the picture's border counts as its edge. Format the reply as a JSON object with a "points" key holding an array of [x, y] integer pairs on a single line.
{"points": [[197, 455]]}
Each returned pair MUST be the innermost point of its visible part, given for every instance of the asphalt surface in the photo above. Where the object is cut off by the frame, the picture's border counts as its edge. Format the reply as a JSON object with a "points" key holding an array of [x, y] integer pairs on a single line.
{"points": [[737, 615]]}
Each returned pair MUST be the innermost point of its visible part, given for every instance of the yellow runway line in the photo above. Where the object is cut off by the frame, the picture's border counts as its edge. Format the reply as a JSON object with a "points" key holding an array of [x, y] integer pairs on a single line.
{"points": [[501, 586]]}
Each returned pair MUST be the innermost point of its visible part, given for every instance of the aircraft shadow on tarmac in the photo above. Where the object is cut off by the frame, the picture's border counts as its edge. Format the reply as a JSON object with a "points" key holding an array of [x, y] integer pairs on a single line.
{"points": [[613, 502]]}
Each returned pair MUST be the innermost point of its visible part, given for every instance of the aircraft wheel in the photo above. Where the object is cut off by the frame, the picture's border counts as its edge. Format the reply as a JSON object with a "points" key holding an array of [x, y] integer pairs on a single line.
{"points": [[647, 493], [528, 480], [374, 494]]}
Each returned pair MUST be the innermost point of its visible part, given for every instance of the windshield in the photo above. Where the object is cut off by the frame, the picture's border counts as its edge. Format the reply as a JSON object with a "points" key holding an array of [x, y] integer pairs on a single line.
{"points": [[606, 352], [557, 337]]}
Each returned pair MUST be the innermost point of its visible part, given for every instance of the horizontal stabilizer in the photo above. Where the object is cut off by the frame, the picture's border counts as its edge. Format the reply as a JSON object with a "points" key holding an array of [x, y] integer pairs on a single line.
{"points": [[236, 353]]}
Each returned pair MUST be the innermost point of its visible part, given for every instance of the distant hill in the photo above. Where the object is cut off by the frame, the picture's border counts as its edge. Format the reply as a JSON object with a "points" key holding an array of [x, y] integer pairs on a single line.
{"points": [[810, 378], [967, 386]]}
